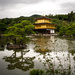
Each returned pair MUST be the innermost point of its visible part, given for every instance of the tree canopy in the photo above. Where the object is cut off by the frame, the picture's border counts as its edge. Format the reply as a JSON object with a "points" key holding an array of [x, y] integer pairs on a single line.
{"points": [[20, 30], [67, 29]]}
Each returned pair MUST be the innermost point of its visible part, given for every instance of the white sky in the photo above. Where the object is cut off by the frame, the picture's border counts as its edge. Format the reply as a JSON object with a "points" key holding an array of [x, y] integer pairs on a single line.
{"points": [[17, 8]]}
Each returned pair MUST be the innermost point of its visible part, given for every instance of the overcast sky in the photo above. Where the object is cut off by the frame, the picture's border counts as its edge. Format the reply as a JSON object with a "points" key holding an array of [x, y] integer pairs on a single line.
{"points": [[17, 8]]}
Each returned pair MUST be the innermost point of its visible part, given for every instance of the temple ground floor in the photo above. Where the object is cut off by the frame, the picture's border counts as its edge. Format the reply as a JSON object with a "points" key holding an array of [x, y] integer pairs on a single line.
{"points": [[45, 31]]}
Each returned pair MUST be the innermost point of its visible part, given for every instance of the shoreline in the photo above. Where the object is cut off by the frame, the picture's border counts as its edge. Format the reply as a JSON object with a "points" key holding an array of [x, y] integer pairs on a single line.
{"points": [[44, 34]]}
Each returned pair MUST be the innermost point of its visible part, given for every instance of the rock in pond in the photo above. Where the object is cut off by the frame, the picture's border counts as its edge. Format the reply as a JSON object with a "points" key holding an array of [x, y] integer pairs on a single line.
{"points": [[15, 46]]}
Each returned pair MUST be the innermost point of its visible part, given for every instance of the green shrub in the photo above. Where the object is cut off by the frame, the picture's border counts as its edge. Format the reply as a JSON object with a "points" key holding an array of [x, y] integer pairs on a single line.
{"points": [[37, 72]]}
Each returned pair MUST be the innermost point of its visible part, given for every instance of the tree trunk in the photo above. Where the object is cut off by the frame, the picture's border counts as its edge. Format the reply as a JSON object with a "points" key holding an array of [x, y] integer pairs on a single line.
{"points": [[14, 40]]}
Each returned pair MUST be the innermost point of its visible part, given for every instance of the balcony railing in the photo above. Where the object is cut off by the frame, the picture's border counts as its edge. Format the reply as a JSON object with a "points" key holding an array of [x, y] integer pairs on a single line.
{"points": [[45, 27]]}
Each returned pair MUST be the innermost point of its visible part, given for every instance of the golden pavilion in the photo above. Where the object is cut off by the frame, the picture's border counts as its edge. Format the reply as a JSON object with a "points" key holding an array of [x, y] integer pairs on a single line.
{"points": [[44, 25]]}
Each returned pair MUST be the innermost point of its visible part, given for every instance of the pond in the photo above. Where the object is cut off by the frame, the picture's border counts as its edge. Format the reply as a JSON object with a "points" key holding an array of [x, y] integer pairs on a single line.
{"points": [[42, 52]]}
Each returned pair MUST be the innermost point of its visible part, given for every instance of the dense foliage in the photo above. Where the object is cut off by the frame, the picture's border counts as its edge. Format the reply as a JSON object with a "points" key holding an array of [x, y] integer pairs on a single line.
{"points": [[18, 31], [37, 72], [65, 24]]}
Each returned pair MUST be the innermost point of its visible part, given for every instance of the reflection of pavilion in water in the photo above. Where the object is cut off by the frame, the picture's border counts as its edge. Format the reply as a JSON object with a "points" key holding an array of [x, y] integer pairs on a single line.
{"points": [[20, 62], [44, 43], [54, 43]]}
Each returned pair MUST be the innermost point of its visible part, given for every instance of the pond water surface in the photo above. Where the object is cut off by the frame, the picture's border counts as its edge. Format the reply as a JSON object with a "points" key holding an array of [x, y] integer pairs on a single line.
{"points": [[41, 51]]}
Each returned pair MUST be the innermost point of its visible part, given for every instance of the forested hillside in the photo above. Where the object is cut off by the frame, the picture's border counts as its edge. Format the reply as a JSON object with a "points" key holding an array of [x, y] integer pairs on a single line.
{"points": [[65, 24]]}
